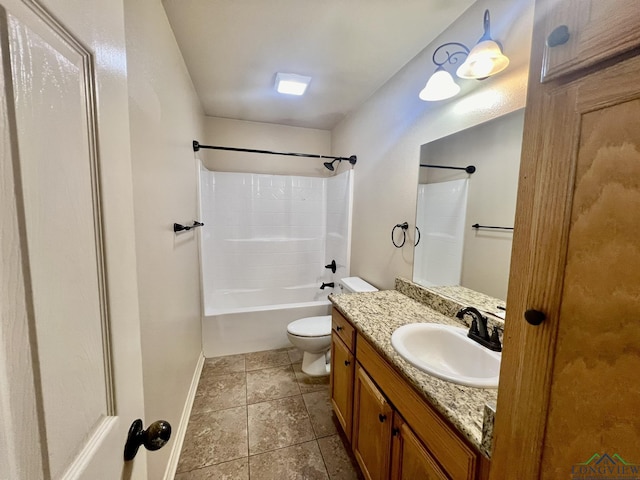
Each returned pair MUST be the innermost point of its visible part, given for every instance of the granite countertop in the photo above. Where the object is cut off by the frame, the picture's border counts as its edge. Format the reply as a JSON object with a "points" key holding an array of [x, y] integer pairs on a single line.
{"points": [[376, 315]]}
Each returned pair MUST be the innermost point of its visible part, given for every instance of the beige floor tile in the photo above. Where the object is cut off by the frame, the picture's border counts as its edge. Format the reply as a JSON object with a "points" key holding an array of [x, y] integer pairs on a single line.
{"points": [[214, 437], [295, 355], [233, 470], [320, 412], [271, 383], [278, 423], [308, 383], [267, 359], [340, 465], [223, 365], [302, 461], [217, 392]]}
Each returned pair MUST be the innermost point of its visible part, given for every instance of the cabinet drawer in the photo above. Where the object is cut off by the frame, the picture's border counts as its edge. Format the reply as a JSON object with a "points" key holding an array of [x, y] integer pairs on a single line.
{"points": [[344, 329], [458, 459]]}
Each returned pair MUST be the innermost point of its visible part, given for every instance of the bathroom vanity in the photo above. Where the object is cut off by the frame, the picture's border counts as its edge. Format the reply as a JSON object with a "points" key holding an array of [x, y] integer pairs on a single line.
{"points": [[401, 422]]}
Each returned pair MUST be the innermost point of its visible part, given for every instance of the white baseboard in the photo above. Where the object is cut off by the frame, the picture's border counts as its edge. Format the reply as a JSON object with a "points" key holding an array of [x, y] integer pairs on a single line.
{"points": [[172, 466]]}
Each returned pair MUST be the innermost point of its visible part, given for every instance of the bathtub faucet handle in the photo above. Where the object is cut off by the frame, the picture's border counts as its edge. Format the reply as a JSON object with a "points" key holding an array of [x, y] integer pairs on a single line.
{"points": [[332, 266], [324, 285]]}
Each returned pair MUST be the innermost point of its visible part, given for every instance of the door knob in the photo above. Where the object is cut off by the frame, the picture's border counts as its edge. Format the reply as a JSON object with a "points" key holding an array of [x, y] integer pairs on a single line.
{"points": [[382, 417], [559, 36], [534, 317], [153, 438]]}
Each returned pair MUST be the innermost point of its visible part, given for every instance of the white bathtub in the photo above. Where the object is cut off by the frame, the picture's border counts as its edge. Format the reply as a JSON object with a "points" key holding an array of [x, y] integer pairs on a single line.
{"points": [[250, 320]]}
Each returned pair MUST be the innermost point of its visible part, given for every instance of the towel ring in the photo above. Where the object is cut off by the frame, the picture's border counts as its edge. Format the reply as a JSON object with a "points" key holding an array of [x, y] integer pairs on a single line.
{"points": [[404, 226]]}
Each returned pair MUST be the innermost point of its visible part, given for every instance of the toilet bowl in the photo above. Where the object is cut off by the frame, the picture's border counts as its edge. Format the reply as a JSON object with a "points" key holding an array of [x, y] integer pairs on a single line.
{"points": [[312, 335]]}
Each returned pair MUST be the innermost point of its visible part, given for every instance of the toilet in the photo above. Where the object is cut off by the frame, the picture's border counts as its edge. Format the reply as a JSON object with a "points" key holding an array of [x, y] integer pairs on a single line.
{"points": [[312, 335]]}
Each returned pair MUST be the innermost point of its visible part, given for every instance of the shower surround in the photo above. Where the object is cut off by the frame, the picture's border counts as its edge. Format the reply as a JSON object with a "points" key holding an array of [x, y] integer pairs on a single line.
{"points": [[440, 215], [264, 247]]}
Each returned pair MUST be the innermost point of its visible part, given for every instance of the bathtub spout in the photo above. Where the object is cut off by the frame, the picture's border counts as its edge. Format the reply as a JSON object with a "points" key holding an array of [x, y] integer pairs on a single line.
{"points": [[330, 284]]}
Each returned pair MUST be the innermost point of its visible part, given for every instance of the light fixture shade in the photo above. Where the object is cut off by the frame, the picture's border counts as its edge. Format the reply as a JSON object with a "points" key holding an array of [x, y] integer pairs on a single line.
{"points": [[440, 86], [484, 60]]}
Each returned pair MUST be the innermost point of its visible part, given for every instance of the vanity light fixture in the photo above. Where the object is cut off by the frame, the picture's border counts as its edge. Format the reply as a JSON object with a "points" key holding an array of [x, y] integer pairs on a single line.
{"points": [[482, 61], [291, 84]]}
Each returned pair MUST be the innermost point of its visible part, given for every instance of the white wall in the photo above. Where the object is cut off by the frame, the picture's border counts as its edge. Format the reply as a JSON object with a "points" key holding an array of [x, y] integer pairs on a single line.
{"points": [[264, 136], [165, 116], [387, 131]]}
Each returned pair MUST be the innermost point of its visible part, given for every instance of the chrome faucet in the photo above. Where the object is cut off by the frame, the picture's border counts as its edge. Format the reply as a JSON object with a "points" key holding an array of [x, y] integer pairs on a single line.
{"points": [[479, 331]]}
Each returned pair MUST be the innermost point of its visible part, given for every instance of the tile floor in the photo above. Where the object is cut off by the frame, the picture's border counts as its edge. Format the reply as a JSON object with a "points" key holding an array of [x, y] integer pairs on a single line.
{"points": [[257, 416]]}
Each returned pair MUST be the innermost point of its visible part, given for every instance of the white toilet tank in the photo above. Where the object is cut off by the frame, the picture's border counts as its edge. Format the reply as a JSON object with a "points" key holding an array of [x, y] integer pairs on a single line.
{"points": [[355, 285]]}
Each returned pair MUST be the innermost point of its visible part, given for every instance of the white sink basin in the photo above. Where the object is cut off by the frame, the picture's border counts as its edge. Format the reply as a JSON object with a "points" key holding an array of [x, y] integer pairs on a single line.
{"points": [[447, 353]]}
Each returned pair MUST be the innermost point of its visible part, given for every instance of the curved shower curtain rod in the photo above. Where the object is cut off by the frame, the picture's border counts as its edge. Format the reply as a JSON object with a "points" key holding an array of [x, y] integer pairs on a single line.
{"points": [[197, 146]]}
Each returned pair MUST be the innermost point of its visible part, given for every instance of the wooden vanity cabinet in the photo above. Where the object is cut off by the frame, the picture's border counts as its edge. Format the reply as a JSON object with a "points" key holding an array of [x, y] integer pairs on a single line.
{"points": [[411, 460], [342, 370], [394, 432], [566, 394], [383, 443], [456, 459], [372, 425], [595, 30]]}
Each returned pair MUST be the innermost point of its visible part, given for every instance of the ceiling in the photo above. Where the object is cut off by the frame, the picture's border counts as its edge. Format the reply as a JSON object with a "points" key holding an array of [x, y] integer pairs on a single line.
{"points": [[234, 48]]}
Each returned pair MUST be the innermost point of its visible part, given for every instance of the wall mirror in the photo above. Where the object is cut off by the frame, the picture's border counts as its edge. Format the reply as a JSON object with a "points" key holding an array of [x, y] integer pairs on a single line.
{"points": [[453, 257]]}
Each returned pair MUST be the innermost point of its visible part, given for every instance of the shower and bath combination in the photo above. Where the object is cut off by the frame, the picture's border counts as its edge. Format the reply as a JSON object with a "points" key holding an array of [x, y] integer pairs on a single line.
{"points": [[268, 244]]}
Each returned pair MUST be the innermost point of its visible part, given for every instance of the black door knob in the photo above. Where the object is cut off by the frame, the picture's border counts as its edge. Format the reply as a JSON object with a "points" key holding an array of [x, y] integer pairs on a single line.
{"points": [[347, 363], [534, 317], [153, 438], [382, 417], [559, 36]]}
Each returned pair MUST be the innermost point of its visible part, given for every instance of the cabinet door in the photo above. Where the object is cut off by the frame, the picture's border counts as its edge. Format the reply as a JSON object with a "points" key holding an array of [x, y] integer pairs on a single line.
{"points": [[342, 368], [373, 419], [410, 460], [597, 30], [568, 392]]}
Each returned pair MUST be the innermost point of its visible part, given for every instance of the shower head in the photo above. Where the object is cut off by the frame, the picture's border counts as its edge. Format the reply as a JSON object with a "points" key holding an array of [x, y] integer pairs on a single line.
{"points": [[329, 165]]}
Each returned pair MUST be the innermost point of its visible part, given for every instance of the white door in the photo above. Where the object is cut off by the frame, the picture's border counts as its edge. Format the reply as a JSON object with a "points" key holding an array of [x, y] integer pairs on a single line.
{"points": [[70, 365]]}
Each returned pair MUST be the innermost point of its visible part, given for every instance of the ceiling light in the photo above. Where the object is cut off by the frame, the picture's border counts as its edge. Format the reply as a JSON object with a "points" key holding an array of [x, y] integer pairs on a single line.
{"points": [[291, 84], [484, 60]]}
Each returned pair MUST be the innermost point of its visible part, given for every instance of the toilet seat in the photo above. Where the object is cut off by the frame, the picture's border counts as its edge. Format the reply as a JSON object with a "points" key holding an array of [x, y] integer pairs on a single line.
{"points": [[311, 326]]}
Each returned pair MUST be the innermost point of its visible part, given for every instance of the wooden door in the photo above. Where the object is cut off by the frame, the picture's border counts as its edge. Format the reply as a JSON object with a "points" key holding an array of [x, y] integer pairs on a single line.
{"points": [[372, 423], [70, 344], [342, 368], [596, 30], [410, 460], [568, 401]]}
